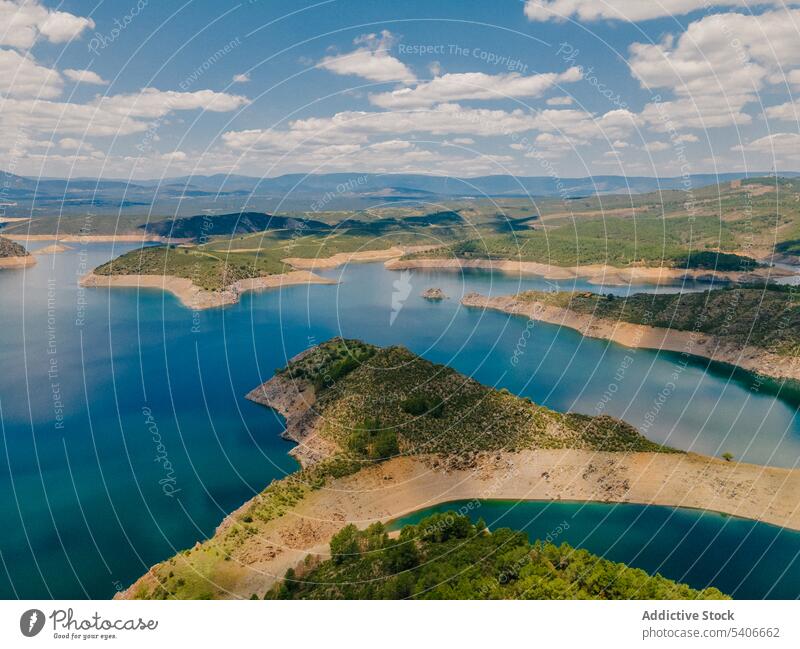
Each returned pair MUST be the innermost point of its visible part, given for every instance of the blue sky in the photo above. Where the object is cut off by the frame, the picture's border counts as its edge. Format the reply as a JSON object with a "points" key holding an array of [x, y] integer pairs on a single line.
{"points": [[141, 89]]}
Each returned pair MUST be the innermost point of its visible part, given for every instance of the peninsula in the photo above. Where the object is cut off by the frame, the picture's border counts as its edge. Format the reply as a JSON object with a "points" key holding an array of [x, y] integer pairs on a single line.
{"points": [[382, 432]]}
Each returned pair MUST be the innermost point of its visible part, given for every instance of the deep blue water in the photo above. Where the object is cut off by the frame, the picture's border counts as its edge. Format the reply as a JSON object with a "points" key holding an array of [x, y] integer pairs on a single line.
{"points": [[83, 506], [744, 559]]}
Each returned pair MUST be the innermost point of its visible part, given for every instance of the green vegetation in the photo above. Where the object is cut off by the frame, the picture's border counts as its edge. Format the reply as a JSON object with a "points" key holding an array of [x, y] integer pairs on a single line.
{"points": [[430, 408], [729, 225], [620, 242], [375, 403], [767, 317], [9, 248], [446, 556], [207, 270], [220, 260]]}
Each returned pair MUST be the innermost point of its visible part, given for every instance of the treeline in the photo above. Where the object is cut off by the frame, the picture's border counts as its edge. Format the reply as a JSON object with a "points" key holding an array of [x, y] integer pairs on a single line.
{"points": [[446, 556]]}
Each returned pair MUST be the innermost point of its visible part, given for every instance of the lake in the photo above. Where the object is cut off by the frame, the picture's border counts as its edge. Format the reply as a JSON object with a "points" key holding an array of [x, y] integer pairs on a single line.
{"points": [[742, 558], [126, 437]]}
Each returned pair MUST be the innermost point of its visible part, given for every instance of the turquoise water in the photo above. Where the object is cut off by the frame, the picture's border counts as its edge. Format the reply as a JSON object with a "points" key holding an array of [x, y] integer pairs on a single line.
{"points": [[126, 436], [744, 559]]}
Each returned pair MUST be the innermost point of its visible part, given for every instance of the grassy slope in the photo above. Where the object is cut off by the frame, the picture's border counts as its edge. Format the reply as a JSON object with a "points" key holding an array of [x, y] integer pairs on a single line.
{"points": [[595, 230], [364, 394], [445, 556], [767, 318], [207, 270], [655, 228], [614, 241], [223, 260]]}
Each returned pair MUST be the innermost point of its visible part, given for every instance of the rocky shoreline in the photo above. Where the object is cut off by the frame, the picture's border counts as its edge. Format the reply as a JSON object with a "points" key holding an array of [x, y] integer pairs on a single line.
{"points": [[753, 359]]}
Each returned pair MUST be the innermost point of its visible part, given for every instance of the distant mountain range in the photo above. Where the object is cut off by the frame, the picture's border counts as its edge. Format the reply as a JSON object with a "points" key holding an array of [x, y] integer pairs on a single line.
{"points": [[22, 195]]}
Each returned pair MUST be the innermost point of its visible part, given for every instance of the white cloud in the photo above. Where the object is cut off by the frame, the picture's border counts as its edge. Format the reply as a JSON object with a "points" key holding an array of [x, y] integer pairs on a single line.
{"points": [[23, 21], [656, 146], [463, 141], [71, 144], [85, 76], [473, 85], [241, 78], [716, 67], [560, 101], [371, 60], [787, 112], [785, 146], [22, 76], [110, 115], [630, 10], [174, 156], [391, 145]]}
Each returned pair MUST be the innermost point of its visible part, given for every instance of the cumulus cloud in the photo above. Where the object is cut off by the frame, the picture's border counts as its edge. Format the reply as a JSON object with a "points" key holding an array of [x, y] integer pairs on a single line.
{"points": [[123, 114], [656, 146], [629, 10], [85, 76], [787, 112], [241, 78], [174, 156], [22, 76], [71, 144], [473, 85], [715, 67], [23, 21], [782, 146], [560, 101], [370, 60], [564, 129]]}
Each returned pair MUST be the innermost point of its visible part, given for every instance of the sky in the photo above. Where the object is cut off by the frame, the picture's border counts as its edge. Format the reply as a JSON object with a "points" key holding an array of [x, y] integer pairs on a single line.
{"points": [[139, 89]]}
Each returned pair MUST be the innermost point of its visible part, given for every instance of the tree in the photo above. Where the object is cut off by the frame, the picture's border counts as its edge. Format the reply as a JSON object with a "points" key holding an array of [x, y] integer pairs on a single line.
{"points": [[344, 545]]}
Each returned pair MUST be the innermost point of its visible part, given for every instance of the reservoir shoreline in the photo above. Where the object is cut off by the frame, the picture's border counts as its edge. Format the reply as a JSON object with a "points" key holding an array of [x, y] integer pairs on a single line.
{"points": [[635, 336]]}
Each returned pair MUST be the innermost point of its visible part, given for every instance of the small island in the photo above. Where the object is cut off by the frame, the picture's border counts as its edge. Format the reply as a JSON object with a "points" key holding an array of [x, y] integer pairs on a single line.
{"points": [[52, 249], [434, 294], [381, 432], [14, 255]]}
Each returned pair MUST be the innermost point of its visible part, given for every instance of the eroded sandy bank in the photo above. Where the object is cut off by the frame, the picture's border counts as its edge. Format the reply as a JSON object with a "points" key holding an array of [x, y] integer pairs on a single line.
{"points": [[403, 485], [400, 486], [594, 273], [751, 358], [17, 262], [197, 298]]}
